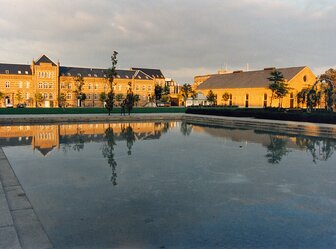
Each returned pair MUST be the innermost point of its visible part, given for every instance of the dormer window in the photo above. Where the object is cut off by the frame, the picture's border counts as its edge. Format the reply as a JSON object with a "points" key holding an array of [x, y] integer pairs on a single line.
{"points": [[127, 77], [104, 75], [6, 71], [95, 75], [118, 76], [139, 77], [69, 74], [79, 75], [157, 76], [147, 77], [63, 74], [89, 75], [26, 72], [19, 72]]}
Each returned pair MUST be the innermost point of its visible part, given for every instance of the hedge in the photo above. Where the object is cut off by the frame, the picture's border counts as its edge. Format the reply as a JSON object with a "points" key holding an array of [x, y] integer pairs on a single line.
{"points": [[289, 115], [84, 110]]}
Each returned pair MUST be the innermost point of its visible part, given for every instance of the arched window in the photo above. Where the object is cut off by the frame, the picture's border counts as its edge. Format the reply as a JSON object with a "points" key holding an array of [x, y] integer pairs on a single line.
{"points": [[50, 96]]}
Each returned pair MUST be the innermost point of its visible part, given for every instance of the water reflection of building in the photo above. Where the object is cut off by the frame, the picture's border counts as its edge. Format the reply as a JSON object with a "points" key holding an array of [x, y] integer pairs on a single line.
{"points": [[45, 138]]}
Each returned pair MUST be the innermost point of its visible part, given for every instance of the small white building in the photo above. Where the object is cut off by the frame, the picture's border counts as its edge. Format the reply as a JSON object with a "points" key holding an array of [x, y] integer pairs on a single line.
{"points": [[199, 100]]}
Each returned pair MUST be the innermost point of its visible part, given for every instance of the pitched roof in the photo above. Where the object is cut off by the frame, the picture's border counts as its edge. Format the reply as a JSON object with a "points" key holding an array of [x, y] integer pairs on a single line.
{"points": [[250, 79], [154, 73], [95, 72], [44, 59], [15, 69]]}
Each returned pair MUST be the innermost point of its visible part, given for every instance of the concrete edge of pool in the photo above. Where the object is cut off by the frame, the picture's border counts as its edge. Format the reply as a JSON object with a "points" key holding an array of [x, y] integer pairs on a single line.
{"points": [[19, 224]]}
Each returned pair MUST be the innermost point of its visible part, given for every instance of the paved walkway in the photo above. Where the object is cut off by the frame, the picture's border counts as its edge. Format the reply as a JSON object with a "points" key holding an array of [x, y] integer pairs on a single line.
{"points": [[19, 226]]}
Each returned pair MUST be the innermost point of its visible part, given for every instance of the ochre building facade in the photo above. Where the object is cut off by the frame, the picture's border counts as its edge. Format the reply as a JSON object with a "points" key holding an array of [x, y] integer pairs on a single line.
{"points": [[42, 83], [250, 88]]}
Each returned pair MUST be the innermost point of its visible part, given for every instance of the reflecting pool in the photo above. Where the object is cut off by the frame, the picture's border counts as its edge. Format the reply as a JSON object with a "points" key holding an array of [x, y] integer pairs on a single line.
{"points": [[176, 185]]}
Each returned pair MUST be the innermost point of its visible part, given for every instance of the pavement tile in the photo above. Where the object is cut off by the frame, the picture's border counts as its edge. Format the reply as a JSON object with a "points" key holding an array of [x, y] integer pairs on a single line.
{"points": [[8, 238], [7, 175], [17, 199], [30, 230], [5, 216]]}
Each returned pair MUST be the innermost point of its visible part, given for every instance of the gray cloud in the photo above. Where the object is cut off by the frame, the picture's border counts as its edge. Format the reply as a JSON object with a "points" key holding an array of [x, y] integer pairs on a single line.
{"points": [[183, 38]]}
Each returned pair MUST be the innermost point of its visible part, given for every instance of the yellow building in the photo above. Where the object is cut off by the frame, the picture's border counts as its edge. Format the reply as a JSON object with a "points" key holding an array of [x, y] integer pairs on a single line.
{"points": [[250, 88], [41, 83]]}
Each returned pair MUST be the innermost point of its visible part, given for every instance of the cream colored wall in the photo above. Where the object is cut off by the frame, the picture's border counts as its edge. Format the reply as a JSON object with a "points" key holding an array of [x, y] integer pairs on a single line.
{"points": [[256, 95]]}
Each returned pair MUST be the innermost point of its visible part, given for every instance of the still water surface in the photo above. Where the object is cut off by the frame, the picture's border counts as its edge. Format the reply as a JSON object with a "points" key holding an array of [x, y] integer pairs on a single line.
{"points": [[176, 185]]}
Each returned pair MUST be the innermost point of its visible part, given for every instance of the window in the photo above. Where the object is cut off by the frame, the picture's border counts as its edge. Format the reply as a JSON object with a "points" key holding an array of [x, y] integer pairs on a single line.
{"points": [[19, 72], [119, 87], [305, 78], [69, 86], [247, 100], [7, 84], [63, 74], [27, 96], [147, 77], [79, 75], [42, 74], [89, 75], [20, 84], [26, 72], [69, 74], [6, 71], [137, 87], [96, 86], [40, 85], [265, 100], [127, 77], [62, 85], [118, 76], [230, 99], [139, 77], [96, 96], [50, 96], [95, 75], [51, 85], [45, 85], [27, 84], [149, 88], [45, 95], [89, 96], [89, 86], [69, 96], [143, 88], [104, 75]]}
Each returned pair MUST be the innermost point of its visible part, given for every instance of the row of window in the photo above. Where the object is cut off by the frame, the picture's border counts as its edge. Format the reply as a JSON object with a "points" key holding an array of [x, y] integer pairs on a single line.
{"points": [[45, 74], [45, 85], [20, 84]]}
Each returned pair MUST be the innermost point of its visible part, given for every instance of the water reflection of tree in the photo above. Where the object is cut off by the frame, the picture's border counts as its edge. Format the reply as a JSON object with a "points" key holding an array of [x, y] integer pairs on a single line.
{"points": [[108, 152], [320, 149], [79, 140], [129, 136], [186, 128], [276, 150]]}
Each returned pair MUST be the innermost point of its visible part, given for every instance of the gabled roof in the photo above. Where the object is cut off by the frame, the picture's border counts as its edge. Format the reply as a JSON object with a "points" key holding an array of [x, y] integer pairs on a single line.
{"points": [[250, 79], [154, 73], [44, 59], [15, 69]]}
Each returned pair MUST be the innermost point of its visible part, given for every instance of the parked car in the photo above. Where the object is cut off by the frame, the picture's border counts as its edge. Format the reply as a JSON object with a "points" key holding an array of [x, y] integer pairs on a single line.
{"points": [[163, 104], [9, 105], [20, 105]]}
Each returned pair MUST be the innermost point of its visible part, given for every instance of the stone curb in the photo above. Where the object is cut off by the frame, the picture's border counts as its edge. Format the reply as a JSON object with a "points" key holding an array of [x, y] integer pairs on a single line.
{"points": [[19, 225]]}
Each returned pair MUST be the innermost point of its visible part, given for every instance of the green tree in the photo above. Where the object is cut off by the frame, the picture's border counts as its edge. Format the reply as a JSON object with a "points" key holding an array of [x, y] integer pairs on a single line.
{"points": [[136, 99], [62, 100], [301, 97], [185, 92], [158, 93], [276, 150], [186, 128], [19, 97], [129, 136], [226, 97], [212, 97], [79, 84], [38, 99], [111, 73], [119, 97], [2, 95], [129, 101], [102, 98], [278, 86]]}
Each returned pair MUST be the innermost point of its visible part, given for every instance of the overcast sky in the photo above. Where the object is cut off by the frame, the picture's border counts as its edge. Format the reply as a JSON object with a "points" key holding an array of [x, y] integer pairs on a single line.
{"points": [[182, 37]]}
